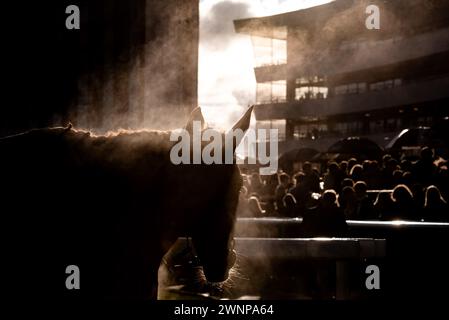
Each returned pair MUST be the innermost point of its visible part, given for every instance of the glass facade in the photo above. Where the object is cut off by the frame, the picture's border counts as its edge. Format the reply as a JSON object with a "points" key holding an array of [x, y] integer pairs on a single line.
{"points": [[271, 91], [280, 125], [268, 51]]}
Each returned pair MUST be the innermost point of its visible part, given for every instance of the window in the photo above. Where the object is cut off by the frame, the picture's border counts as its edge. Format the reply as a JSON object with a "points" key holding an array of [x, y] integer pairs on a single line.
{"points": [[361, 87], [278, 90], [280, 125], [308, 93], [271, 91], [391, 124], [269, 51], [310, 80], [339, 90], [376, 126], [350, 88], [302, 81], [385, 85], [263, 92]]}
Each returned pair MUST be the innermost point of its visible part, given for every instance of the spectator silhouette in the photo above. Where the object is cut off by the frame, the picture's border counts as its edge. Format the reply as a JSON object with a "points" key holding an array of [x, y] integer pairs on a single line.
{"points": [[281, 190], [254, 207], [351, 163], [311, 178], [344, 168], [256, 184], [365, 208], [300, 193], [371, 174], [435, 206], [325, 220], [242, 207], [289, 208], [387, 173], [271, 183], [246, 183], [406, 165], [383, 206], [403, 203], [347, 182], [356, 173], [348, 202], [333, 177], [385, 159], [424, 169]]}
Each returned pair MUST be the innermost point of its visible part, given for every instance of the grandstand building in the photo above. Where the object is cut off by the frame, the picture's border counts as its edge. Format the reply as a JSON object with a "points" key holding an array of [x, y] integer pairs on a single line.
{"points": [[322, 75]]}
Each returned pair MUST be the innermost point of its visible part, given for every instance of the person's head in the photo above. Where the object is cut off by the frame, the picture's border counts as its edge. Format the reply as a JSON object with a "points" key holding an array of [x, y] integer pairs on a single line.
{"points": [[347, 196], [329, 199], [401, 194], [243, 192], [289, 201], [360, 189], [307, 167], [406, 165], [299, 178], [356, 172], [392, 165], [347, 182], [333, 168], [272, 180], [351, 162], [433, 196], [255, 180], [366, 165], [427, 154], [284, 179], [385, 159], [344, 166], [246, 182], [254, 207]]}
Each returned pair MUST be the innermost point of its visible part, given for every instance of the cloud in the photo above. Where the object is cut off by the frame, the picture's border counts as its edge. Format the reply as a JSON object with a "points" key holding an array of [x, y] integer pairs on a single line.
{"points": [[217, 29]]}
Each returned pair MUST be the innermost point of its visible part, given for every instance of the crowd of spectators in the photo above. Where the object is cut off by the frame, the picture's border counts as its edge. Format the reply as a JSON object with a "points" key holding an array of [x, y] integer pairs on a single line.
{"points": [[390, 189]]}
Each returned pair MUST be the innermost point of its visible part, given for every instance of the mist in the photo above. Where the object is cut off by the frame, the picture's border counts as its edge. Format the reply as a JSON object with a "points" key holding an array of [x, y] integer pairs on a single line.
{"points": [[140, 68]]}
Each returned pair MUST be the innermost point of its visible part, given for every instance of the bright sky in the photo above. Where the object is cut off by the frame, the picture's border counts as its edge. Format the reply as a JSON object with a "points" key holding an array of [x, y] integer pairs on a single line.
{"points": [[226, 78]]}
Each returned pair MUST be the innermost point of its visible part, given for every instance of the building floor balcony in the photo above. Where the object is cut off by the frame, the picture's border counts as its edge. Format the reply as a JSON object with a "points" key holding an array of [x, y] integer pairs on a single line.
{"points": [[405, 95]]}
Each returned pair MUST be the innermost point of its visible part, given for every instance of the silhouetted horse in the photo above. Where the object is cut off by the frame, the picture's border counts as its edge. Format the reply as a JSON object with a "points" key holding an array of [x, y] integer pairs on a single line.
{"points": [[111, 205]]}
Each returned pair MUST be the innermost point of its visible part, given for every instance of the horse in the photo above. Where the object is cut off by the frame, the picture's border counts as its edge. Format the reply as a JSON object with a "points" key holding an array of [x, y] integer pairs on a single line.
{"points": [[112, 205]]}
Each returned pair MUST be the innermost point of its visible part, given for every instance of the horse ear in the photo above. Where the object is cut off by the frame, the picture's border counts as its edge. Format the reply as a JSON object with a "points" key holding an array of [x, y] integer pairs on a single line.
{"points": [[195, 115], [243, 125]]}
